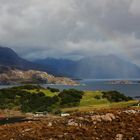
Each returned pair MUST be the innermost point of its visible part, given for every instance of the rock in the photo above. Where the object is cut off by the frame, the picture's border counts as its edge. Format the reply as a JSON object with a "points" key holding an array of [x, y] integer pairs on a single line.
{"points": [[49, 124], [72, 123], [131, 111], [111, 115], [64, 114], [60, 136], [96, 118], [119, 137], [107, 117], [26, 130]]}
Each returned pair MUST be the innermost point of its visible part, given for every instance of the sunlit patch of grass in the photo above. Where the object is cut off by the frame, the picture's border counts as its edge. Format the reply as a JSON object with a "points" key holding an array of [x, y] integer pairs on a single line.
{"points": [[101, 106], [89, 98], [45, 91]]}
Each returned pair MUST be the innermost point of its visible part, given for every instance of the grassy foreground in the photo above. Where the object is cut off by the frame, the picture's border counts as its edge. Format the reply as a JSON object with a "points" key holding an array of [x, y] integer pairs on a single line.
{"points": [[32, 98]]}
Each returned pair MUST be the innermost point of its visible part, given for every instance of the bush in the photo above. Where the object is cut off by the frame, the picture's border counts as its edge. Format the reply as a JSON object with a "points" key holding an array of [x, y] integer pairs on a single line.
{"points": [[115, 96], [70, 97], [97, 97], [53, 89]]}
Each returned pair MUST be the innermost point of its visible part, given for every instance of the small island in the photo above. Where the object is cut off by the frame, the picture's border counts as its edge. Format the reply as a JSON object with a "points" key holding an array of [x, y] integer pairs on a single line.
{"points": [[123, 82]]}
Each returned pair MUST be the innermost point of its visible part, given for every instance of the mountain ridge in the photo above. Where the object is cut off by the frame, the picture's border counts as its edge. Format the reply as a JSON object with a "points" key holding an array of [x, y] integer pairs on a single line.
{"points": [[94, 67], [97, 67]]}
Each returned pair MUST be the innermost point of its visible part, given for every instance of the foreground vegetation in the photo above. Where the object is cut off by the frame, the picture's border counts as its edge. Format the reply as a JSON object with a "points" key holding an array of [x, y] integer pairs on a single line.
{"points": [[34, 98], [104, 124]]}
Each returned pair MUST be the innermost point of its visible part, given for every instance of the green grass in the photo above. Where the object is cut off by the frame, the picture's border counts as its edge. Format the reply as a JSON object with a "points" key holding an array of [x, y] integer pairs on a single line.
{"points": [[45, 91], [100, 106], [89, 102], [89, 99]]}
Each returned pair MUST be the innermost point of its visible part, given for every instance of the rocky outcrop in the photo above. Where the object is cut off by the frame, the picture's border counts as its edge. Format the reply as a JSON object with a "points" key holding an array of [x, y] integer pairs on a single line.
{"points": [[15, 76]]}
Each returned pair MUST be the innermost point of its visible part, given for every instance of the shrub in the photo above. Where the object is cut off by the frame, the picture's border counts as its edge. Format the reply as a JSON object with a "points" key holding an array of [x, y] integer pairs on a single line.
{"points": [[97, 97], [53, 89], [115, 96], [70, 97]]}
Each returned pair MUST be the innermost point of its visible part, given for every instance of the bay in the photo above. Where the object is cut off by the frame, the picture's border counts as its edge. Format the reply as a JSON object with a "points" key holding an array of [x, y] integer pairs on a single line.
{"points": [[103, 85], [132, 90]]}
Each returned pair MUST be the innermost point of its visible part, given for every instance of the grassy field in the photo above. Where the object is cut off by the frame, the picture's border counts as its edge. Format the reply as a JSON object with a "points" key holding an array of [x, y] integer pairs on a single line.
{"points": [[90, 99], [89, 102], [100, 106]]}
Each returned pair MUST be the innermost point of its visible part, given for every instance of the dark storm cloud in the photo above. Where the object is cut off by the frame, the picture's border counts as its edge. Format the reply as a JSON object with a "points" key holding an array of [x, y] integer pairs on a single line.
{"points": [[71, 28]]}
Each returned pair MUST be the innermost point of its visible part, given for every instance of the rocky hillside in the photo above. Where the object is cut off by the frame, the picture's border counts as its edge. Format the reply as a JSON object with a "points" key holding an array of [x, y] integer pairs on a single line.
{"points": [[15, 76], [116, 124]]}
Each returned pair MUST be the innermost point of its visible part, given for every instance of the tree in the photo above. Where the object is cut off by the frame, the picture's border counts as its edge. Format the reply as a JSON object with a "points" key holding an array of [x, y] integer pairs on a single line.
{"points": [[70, 97]]}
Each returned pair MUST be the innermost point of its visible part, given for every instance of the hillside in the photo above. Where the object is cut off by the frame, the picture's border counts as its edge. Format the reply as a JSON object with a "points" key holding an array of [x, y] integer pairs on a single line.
{"points": [[113, 124], [10, 75], [10, 58]]}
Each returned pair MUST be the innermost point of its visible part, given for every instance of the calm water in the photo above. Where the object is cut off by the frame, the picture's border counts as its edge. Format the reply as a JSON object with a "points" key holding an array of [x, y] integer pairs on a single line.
{"points": [[128, 89]]}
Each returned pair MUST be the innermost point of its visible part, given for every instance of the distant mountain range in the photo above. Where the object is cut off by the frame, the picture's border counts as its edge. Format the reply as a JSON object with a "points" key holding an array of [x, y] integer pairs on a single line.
{"points": [[92, 67], [60, 66]]}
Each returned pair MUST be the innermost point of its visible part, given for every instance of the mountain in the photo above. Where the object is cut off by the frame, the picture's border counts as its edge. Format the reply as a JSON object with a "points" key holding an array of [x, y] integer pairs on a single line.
{"points": [[10, 58], [59, 67], [107, 67], [16, 70], [93, 67]]}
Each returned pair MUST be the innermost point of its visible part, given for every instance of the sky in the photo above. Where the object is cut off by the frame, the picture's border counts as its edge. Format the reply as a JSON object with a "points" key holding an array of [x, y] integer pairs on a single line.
{"points": [[71, 28]]}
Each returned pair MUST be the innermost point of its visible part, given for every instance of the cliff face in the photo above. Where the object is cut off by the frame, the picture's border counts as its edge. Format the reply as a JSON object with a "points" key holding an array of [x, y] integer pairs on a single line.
{"points": [[15, 76]]}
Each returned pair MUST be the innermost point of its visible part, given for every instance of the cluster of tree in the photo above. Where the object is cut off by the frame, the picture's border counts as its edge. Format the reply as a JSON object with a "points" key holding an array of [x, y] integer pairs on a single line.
{"points": [[70, 97], [33, 102], [27, 87], [115, 96], [38, 102], [53, 89], [26, 101]]}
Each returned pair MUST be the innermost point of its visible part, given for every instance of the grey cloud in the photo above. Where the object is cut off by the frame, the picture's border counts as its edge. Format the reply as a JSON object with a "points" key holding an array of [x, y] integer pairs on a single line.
{"points": [[73, 29]]}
